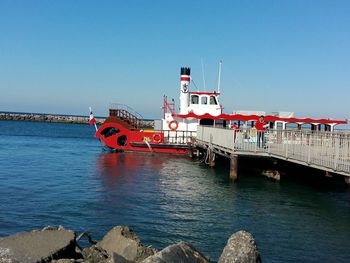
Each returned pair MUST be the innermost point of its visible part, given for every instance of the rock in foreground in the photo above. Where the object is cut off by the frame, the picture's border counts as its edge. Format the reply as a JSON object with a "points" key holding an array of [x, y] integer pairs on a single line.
{"points": [[181, 253], [119, 245], [123, 242], [240, 248], [37, 246], [94, 254]]}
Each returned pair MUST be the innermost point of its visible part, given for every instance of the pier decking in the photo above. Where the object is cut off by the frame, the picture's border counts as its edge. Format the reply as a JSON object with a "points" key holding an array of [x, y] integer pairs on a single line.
{"points": [[328, 151]]}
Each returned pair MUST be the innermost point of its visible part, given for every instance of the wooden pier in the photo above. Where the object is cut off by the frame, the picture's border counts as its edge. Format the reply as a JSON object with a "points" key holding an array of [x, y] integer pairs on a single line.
{"points": [[327, 151]]}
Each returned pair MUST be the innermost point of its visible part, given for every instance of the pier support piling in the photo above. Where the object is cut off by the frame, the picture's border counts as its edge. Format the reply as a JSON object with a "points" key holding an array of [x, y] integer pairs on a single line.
{"points": [[233, 167], [211, 161], [190, 152], [328, 174], [347, 180]]}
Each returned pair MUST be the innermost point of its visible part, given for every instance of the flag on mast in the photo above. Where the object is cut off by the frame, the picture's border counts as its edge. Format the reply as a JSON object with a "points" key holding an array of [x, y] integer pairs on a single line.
{"points": [[92, 119]]}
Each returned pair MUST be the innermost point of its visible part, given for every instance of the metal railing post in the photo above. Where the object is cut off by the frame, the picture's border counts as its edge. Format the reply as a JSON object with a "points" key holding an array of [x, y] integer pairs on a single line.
{"points": [[336, 157], [287, 142], [309, 149]]}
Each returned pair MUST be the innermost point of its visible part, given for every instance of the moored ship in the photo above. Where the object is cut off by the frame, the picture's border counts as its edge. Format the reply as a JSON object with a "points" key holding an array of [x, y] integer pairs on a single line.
{"points": [[123, 129]]}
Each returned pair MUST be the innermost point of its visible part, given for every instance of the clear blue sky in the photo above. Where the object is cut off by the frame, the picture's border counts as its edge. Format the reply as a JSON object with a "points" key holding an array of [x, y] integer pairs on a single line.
{"points": [[63, 56]]}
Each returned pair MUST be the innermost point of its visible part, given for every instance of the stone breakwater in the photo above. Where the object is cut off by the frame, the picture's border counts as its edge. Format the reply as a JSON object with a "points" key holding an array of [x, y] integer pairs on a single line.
{"points": [[8, 116], [47, 118], [120, 244]]}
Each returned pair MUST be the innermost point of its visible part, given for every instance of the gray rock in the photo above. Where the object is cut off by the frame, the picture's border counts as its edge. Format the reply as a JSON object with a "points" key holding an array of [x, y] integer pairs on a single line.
{"points": [[274, 174], [48, 228], [118, 259], [37, 246], [94, 254], [180, 253], [123, 242], [240, 248], [63, 260]]}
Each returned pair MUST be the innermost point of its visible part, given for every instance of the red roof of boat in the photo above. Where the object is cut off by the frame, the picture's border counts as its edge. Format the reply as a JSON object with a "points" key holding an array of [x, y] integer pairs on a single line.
{"points": [[240, 117], [204, 93]]}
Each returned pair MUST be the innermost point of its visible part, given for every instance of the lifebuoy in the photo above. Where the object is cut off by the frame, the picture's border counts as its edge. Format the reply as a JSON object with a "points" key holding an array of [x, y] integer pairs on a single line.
{"points": [[173, 125], [156, 138]]}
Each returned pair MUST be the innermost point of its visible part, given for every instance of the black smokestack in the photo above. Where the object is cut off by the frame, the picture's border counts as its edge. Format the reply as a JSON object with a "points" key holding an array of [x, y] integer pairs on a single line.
{"points": [[185, 71]]}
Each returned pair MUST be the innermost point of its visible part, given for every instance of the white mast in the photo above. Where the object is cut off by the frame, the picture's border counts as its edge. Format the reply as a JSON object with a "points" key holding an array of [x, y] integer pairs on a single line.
{"points": [[203, 74], [219, 77]]}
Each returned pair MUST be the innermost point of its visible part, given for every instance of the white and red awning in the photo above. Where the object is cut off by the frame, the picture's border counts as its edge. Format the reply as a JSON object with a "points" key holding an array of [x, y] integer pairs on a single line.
{"points": [[240, 117], [204, 93]]}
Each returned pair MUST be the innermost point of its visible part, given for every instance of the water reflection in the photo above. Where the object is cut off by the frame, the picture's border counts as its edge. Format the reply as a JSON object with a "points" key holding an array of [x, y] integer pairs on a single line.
{"points": [[116, 164], [169, 198], [164, 198], [119, 168]]}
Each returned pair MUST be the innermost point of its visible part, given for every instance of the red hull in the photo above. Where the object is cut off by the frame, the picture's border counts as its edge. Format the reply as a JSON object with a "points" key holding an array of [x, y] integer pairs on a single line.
{"points": [[117, 136]]}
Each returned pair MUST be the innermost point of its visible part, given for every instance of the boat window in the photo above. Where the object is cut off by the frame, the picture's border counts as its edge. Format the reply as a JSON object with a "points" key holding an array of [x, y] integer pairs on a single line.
{"points": [[109, 131], [204, 100], [194, 99], [122, 140], [207, 122], [279, 125], [213, 100]]}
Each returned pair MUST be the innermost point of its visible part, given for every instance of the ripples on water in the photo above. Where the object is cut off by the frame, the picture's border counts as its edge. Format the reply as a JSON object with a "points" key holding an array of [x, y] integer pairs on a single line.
{"points": [[57, 174]]}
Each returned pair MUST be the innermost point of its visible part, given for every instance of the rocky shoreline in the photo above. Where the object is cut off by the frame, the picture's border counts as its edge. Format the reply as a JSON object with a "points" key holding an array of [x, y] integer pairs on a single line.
{"points": [[9, 116], [119, 245]]}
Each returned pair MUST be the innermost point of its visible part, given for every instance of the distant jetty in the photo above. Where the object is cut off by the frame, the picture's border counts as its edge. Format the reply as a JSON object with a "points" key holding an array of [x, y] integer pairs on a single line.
{"points": [[60, 118], [21, 116]]}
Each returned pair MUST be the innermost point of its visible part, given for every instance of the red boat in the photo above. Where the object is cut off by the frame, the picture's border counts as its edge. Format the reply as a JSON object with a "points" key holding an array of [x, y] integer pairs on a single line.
{"points": [[123, 130]]}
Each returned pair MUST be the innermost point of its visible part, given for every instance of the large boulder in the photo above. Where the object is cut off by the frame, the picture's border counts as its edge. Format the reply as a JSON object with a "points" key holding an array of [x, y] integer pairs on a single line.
{"points": [[94, 254], [240, 248], [124, 243], [38, 246], [64, 260], [180, 253]]}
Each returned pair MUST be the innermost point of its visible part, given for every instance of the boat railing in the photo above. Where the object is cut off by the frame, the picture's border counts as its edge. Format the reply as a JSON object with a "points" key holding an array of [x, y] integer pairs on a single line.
{"points": [[178, 137], [126, 108], [126, 113], [168, 106]]}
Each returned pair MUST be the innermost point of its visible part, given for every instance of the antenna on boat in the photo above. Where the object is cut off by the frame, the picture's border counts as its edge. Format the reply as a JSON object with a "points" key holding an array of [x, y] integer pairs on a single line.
{"points": [[194, 84], [203, 73], [219, 77]]}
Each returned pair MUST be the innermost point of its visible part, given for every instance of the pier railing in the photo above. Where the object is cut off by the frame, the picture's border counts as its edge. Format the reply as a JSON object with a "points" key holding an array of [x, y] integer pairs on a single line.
{"points": [[329, 151]]}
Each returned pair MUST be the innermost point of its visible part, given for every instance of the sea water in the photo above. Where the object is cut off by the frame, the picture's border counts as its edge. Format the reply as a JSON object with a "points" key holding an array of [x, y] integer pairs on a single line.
{"points": [[58, 174]]}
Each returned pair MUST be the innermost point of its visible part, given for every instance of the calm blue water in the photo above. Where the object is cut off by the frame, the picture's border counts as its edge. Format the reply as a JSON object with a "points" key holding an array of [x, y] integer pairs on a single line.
{"points": [[57, 174]]}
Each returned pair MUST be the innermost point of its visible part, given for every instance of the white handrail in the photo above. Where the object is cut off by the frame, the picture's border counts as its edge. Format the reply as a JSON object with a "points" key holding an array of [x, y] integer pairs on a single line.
{"points": [[329, 150]]}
